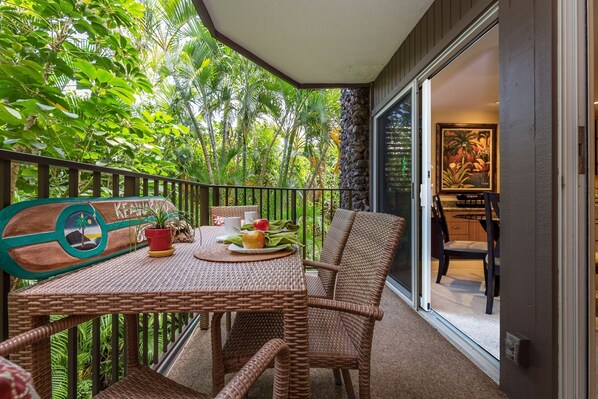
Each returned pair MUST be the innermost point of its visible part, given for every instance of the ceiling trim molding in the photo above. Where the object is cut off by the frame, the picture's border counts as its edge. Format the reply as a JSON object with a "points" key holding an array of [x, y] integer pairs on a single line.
{"points": [[209, 24]]}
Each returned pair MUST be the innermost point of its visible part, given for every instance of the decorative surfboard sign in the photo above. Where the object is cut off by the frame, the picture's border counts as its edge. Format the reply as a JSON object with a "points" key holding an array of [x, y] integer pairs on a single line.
{"points": [[46, 237]]}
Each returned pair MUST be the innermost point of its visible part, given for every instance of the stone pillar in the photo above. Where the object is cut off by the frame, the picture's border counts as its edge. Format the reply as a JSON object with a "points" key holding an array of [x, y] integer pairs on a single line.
{"points": [[355, 147]]}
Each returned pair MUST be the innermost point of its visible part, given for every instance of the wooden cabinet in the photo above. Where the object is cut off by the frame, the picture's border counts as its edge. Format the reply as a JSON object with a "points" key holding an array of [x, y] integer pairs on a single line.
{"points": [[459, 229]]}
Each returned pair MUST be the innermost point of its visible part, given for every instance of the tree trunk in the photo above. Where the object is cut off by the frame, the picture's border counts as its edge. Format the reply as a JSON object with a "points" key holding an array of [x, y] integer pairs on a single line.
{"points": [[266, 157], [316, 171], [201, 141]]}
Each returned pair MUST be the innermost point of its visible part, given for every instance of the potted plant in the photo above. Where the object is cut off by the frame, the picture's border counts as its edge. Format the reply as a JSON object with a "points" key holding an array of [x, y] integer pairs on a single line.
{"points": [[163, 225], [160, 227]]}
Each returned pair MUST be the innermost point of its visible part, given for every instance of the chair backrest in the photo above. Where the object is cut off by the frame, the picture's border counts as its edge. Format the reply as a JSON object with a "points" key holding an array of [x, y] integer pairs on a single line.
{"points": [[366, 260], [220, 212], [491, 203], [334, 244], [439, 218]]}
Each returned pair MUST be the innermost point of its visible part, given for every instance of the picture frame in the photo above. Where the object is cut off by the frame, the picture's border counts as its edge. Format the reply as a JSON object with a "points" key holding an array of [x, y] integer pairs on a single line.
{"points": [[465, 157]]}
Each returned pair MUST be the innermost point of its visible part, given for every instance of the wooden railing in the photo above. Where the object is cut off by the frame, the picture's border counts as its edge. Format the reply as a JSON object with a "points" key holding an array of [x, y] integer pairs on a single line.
{"points": [[25, 176]]}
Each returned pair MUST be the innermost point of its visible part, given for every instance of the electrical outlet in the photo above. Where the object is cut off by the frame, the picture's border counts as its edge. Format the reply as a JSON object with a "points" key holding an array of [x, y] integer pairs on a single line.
{"points": [[517, 349]]}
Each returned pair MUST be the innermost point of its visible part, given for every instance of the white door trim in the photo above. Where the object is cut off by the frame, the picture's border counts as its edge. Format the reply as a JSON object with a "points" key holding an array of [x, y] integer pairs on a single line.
{"points": [[573, 263], [425, 194]]}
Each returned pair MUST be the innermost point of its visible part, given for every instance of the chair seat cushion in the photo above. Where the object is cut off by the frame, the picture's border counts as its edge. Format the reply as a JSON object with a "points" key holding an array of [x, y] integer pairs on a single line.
{"points": [[315, 287], [466, 246], [329, 343], [144, 383]]}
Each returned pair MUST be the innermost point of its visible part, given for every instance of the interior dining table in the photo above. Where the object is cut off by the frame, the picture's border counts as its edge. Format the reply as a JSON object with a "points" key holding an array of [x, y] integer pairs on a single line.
{"points": [[135, 283], [481, 217]]}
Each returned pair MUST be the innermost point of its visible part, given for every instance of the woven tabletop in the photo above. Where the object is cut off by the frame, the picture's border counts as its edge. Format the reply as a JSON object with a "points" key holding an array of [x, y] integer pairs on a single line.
{"points": [[137, 273], [136, 283]]}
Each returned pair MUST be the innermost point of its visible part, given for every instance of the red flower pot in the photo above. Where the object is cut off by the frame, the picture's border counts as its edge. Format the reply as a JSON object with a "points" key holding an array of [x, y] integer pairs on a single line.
{"points": [[158, 239]]}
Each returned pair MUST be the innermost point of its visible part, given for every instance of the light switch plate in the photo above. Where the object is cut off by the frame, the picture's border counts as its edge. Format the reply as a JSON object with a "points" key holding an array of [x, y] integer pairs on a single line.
{"points": [[517, 349]]}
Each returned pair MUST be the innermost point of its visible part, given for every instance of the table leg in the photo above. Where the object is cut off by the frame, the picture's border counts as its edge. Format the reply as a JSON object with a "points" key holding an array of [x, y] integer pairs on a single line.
{"points": [[295, 334], [35, 358]]}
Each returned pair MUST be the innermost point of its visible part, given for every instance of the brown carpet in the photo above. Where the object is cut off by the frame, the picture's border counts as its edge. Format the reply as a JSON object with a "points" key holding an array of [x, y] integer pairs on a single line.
{"points": [[410, 359]]}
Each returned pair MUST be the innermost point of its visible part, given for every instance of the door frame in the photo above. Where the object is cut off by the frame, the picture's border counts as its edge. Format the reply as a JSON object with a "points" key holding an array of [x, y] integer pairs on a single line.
{"points": [[486, 362], [576, 336]]}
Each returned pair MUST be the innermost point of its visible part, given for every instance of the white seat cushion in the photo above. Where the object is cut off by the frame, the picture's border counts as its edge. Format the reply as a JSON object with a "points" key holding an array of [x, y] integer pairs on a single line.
{"points": [[468, 246]]}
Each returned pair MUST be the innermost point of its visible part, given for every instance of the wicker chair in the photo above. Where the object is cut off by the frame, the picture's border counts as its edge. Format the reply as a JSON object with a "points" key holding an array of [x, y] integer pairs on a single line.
{"points": [[231, 211], [219, 212], [322, 284], [143, 382], [340, 329]]}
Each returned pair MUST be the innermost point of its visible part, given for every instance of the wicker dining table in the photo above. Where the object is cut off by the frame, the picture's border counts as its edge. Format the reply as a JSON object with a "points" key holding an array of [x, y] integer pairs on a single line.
{"points": [[135, 283]]}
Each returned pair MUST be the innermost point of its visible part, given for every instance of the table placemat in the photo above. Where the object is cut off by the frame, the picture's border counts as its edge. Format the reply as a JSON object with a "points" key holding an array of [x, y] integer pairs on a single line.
{"points": [[220, 253]]}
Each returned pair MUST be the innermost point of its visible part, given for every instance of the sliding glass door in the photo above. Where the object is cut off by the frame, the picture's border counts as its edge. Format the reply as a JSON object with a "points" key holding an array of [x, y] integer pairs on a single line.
{"points": [[396, 144]]}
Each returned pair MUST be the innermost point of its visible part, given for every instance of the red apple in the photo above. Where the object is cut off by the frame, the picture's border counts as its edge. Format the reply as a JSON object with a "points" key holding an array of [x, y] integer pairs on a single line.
{"points": [[254, 239], [261, 224]]}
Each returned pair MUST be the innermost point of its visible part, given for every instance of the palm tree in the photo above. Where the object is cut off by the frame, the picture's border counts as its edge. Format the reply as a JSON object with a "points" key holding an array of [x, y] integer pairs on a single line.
{"points": [[459, 140], [81, 221]]}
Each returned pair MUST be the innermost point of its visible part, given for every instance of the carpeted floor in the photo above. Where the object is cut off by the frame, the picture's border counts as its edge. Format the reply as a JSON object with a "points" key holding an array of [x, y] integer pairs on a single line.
{"points": [[410, 359], [460, 299]]}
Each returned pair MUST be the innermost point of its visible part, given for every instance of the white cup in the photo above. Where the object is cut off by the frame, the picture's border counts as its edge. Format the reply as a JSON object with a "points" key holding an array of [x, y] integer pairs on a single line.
{"points": [[250, 216], [232, 226]]}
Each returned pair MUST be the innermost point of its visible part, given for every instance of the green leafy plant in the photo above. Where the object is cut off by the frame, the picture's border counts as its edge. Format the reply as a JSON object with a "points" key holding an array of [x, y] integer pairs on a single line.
{"points": [[162, 216]]}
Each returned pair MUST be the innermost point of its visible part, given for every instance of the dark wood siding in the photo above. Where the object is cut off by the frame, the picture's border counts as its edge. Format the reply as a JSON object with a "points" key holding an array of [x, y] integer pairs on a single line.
{"points": [[529, 196], [442, 23]]}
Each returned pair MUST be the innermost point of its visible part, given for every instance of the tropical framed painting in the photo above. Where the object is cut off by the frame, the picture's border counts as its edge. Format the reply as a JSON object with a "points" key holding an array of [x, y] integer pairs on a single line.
{"points": [[465, 157]]}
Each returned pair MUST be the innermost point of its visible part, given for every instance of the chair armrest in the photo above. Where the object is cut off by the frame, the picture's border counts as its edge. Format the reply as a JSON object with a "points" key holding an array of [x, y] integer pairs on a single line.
{"points": [[320, 265], [248, 375], [373, 312], [34, 335]]}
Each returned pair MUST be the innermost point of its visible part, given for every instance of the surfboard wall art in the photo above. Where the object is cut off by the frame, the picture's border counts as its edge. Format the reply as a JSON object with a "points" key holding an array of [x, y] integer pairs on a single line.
{"points": [[46, 237]]}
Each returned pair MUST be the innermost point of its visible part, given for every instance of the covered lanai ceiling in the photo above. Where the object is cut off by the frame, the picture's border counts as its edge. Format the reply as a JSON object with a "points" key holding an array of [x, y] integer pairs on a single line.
{"points": [[315, 42]]}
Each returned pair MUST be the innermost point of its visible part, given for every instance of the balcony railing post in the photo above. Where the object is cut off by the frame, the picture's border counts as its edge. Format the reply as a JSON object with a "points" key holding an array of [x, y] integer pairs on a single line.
{"points": [[43, 181], [204, 205], [73, 182], [72, 362], [131, 186], [5, 200], [294, 206]]}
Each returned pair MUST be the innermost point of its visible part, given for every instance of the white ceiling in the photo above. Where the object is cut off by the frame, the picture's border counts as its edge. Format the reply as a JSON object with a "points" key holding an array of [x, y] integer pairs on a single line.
{"points": [[319, 41], [470, 81]]}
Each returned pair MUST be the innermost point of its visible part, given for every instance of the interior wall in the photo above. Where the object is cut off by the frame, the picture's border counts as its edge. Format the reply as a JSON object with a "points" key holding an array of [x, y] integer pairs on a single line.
{"points": [[463, 116]]}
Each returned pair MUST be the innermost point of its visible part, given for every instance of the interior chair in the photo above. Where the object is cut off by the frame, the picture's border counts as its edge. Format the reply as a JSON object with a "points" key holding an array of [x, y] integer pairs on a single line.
{"points": [[491, 201], [322, 284], [340, 329], [145, 383], [448, 248], [220, 212]]}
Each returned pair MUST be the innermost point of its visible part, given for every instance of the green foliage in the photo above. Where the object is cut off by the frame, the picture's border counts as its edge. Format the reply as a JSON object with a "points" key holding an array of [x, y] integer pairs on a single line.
{"points": [[141, 85]]}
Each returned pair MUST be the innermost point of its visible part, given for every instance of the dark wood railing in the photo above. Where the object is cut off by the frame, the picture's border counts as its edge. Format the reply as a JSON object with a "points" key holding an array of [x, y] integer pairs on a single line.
{"points": [[25, 176]]}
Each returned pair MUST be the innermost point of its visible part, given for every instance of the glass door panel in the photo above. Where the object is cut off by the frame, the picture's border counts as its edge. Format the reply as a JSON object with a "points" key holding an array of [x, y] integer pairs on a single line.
{"points": [[395, 180]]}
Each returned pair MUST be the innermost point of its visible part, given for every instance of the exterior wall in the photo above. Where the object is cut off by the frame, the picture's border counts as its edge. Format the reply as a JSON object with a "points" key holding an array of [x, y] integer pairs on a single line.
{"points": [[442, 23], [355, 144], [527, 168], [529, 193]]}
